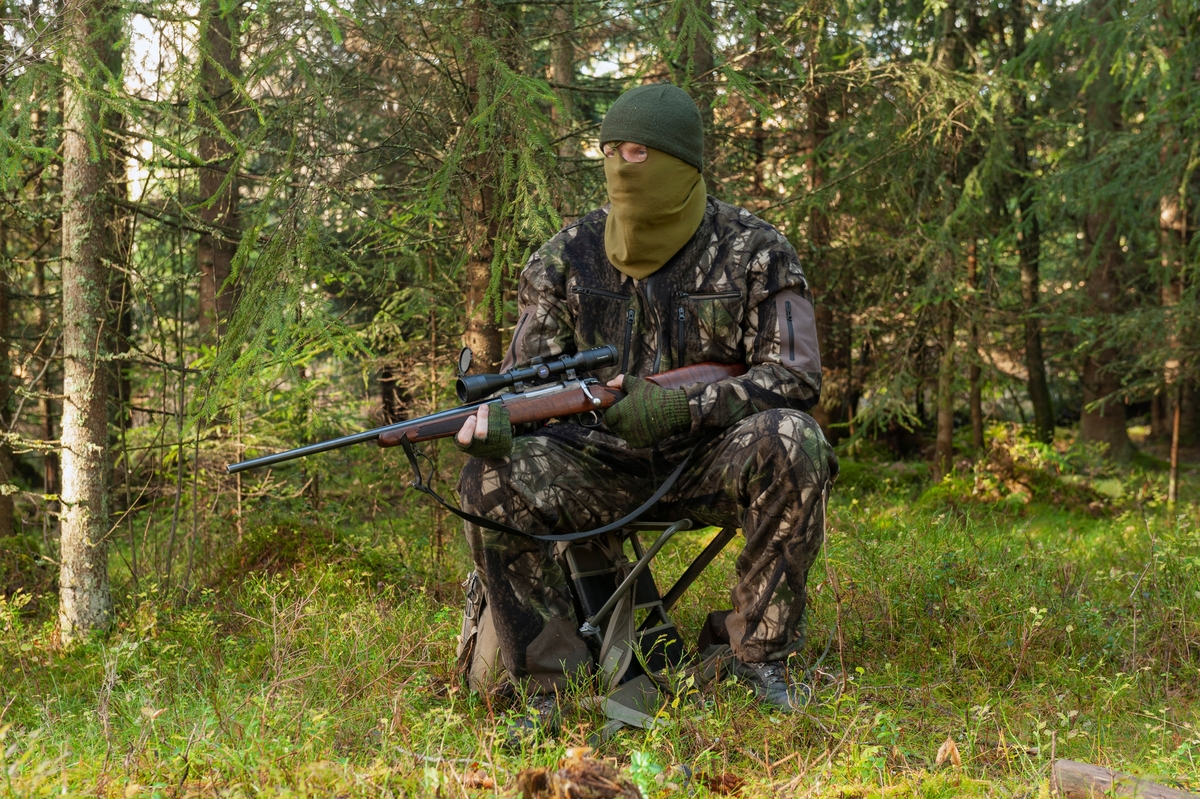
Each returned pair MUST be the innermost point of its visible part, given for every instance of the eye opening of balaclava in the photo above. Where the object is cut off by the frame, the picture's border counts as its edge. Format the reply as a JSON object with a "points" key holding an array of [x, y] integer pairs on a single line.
{"points": [[657, 204]]}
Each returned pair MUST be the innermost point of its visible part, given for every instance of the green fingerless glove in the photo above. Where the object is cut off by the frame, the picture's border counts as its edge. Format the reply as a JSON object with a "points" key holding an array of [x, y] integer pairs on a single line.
{"points": [[499, 441], [648, 413]]}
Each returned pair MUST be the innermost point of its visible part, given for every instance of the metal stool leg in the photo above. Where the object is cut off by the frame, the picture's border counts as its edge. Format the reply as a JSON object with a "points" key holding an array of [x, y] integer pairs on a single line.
{"points": [[590, 627]]}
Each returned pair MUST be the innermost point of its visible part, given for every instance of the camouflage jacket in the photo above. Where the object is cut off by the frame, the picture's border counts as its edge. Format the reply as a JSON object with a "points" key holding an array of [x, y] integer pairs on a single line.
{"points": [[735, 293]]}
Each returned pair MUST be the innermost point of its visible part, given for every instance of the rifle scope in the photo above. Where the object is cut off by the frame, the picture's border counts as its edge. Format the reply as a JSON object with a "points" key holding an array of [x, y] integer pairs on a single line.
{"points": [[473, 387]]}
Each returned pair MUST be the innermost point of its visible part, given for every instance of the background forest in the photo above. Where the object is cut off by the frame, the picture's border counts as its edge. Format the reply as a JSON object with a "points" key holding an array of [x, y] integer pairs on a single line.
{"points": [[228, 228]]}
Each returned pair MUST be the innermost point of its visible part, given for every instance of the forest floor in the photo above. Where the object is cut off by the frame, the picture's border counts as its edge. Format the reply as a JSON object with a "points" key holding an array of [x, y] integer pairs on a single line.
{"points": [[1023, 610]]}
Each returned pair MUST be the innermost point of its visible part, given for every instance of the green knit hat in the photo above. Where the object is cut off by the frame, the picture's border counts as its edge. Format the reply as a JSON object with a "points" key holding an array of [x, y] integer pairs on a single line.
{"points": [[661, 116]]}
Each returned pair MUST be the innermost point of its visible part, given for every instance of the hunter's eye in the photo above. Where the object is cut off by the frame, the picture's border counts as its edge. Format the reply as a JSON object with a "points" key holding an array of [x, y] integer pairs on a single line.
{"points": [[630, 151]]}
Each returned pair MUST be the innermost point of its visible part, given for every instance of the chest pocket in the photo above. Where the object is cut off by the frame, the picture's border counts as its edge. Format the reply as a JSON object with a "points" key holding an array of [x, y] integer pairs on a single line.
{"points": [[708, 326], [605, 319]]}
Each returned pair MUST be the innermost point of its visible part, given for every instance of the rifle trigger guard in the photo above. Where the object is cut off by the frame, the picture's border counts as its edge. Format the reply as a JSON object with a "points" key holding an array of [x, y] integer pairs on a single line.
{"points": [[590, 419]]}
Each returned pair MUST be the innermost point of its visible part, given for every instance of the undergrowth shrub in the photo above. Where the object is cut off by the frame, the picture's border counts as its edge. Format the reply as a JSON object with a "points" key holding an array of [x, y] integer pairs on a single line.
{"points": [[1015, 470], [23, 567], [279, 543]]}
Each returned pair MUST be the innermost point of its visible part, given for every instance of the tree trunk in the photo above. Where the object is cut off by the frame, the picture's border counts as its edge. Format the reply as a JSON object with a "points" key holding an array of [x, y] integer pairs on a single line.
{"points": [[703, 63], [1187, 397], [7, 527], [695, 71], [943, 456], [1029, 244], [1105, 422], [562, 77], [975, 371], [482, 333], [1104, 413], [1160, 428], [46, 408], [6, 458], [218, 185], [1173, 474], [43, 247], [85, 605], [1189, 413], [1173, 238], [1029, 252], [834, 333], [482, 330]]}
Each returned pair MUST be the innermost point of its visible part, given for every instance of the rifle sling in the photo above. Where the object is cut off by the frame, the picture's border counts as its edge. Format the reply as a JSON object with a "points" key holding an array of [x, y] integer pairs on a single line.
{"points": [[501, 527]]}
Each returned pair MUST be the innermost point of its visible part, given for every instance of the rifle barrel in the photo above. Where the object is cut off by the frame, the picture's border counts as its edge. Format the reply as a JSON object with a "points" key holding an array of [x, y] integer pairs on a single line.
{"points": [[344, 441]]}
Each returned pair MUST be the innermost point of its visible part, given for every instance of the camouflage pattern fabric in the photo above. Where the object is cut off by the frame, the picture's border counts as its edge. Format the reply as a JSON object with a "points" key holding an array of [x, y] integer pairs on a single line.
{"points": [[767, 474], [734, 294]]}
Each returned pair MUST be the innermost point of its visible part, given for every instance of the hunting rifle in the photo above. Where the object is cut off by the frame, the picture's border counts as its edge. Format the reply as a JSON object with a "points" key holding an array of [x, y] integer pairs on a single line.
{"points": [[531, 399]]}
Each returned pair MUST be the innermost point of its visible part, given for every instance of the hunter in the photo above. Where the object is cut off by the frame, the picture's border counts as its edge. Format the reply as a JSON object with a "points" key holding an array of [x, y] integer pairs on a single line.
{"points": [[671, 277]]}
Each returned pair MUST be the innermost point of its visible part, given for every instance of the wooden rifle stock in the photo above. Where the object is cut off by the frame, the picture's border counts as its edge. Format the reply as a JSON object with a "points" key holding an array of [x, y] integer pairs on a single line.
{"points": [[538, 407], [707, 372]]}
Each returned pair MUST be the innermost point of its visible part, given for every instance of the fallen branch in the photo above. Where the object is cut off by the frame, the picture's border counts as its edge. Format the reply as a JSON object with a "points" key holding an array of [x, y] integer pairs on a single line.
{"points": [[1083, 781]]}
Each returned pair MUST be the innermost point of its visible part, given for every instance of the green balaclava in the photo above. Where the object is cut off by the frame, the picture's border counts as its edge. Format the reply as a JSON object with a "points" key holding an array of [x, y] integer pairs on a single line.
{"points": [[656, 204]]}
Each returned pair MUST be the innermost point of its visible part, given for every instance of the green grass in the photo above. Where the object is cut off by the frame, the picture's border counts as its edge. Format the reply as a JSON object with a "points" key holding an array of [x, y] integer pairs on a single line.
{"points": [[319, 661]]}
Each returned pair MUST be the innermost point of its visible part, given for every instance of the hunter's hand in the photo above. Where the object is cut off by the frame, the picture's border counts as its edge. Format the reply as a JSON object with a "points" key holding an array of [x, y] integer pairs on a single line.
{"points": [[648, 413], [487, 433]]}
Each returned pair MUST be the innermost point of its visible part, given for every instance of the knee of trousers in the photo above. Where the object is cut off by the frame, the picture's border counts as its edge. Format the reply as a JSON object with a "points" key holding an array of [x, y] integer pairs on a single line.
{"points": [[486, 484], [472, 482], [794, 440]]}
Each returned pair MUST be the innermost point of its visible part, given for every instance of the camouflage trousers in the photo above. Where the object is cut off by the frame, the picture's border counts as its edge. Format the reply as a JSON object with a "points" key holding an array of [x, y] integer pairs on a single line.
{"points": [[769, 475]]}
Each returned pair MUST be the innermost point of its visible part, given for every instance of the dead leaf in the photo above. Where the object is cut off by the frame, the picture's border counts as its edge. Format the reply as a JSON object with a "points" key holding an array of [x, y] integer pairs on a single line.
{"points": [[478, 779], [577, 777], [534, 783], [949, 751], [724, 784]]}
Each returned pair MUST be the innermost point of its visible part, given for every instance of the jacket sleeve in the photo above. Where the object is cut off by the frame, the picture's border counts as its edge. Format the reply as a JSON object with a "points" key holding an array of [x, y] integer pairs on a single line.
{"points": [[544, 325], [780, 341]]}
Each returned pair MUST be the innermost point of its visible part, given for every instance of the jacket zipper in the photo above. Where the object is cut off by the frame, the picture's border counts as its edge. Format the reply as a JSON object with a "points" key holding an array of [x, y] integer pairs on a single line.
{"points": [[628, 340], [712, 295], [787, 307], [681, 315], [658, 326], [599, 292]]}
